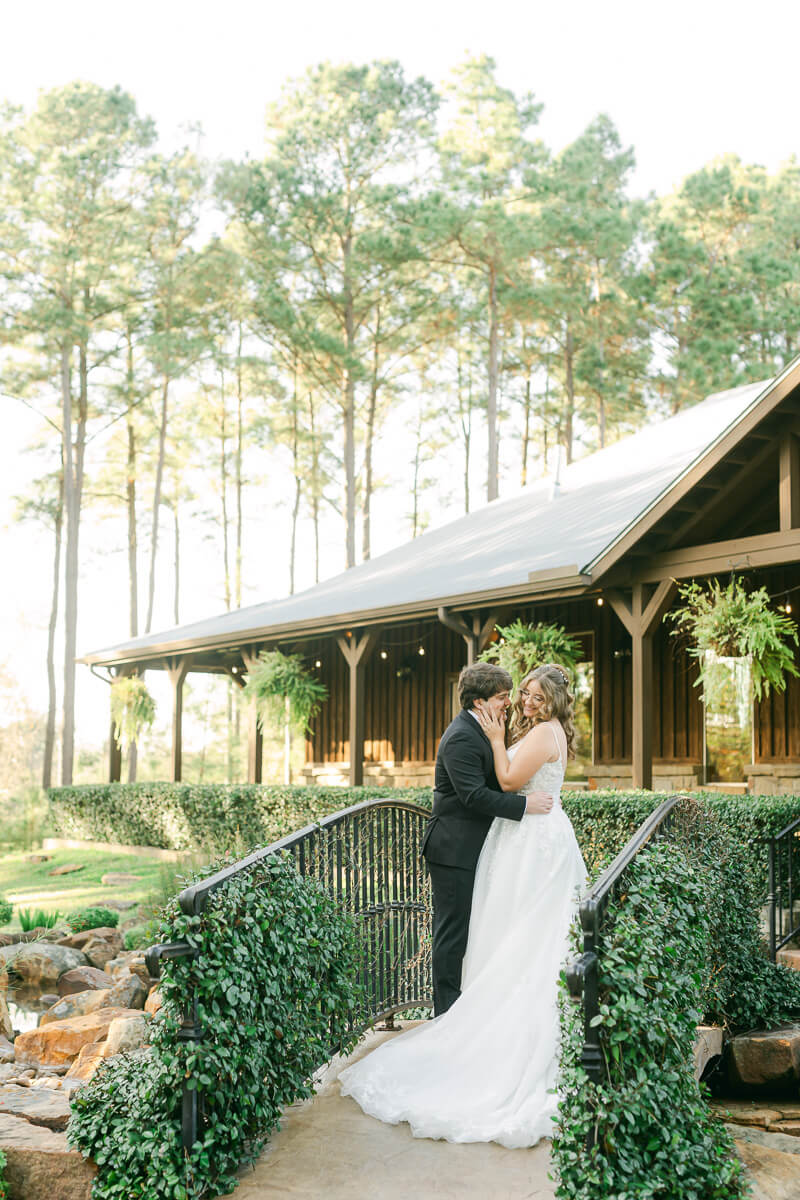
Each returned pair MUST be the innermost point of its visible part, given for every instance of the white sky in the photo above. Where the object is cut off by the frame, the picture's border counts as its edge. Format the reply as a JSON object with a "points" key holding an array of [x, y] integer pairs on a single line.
{"points": [[683, 82]]}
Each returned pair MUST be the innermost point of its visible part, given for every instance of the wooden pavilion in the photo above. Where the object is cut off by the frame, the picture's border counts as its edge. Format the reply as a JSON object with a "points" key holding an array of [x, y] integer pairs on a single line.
{"points": [[712, 490]]}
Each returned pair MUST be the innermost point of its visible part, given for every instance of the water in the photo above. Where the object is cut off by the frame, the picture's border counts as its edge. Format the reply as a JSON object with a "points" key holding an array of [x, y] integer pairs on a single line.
{"points": [[25, 1006]]}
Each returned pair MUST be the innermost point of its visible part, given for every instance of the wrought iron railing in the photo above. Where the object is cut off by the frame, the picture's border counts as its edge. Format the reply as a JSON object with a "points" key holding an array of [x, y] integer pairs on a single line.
{"points": [[784, 861], [582, 972], [368, 858]]}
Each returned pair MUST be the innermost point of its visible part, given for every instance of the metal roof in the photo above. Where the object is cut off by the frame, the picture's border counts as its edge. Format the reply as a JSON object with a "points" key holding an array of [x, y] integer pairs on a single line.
{"points": [[492, 551]]}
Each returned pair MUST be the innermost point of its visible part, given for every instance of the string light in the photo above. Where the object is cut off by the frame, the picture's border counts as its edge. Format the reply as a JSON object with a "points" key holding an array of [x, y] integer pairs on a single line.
{"points": [[318, 663], [421, 651], [384, 654], [599, 601]]}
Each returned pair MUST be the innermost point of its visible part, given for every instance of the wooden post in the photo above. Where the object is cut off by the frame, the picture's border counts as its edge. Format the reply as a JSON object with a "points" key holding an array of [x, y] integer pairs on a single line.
{"points": [[474, 632], [255, 734], [357, 652], [177, 669], [641, 616], [789, 483]]}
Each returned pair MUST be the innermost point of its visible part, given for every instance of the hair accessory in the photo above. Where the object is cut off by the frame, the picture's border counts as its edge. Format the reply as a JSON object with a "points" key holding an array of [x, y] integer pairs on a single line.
{"points": [[563, 674]]}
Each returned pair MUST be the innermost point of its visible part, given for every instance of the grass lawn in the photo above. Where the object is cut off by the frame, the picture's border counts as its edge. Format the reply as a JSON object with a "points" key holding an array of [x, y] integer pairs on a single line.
{"points": [[29, 885]]}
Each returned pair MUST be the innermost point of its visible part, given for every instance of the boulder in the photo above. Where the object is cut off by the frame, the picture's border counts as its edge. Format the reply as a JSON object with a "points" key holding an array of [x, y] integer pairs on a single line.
{"points": [[77, 1005], [87, 1062], [36, 1105], [154, 1000], [6, 1028], [67, 869], [106, 932], [99, 952], [48, 999], [119, 879], [60, 1041], [39, 1164], [8, 939], [40, 963], [119, 905], [766, 1058], [128, 992], [83, 979], [137, 966], [126, 1033], [39, 858], [6, 1050]]}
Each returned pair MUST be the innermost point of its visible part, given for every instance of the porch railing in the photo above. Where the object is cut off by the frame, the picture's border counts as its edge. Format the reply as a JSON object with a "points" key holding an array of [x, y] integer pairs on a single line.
{"points": [[368, 859], [582, 972], [784, 861]]}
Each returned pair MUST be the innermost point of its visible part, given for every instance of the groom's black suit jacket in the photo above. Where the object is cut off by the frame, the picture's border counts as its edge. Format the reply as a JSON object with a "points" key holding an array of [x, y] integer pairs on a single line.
{"points": [[466, 796]]}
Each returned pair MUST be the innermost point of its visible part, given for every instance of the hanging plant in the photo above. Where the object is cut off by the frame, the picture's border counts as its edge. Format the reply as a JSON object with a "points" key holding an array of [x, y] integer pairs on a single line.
{"points": [[521, 647], [282, 686], [133, 709], [733, 623]]}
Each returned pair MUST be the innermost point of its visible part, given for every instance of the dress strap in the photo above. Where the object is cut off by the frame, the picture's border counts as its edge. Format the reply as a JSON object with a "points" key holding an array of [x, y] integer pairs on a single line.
{"points": [[555, 739]]}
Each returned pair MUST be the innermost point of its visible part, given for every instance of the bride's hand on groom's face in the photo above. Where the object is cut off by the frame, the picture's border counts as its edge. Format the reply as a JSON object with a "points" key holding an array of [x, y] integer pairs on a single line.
{"points": [[492, 724]]}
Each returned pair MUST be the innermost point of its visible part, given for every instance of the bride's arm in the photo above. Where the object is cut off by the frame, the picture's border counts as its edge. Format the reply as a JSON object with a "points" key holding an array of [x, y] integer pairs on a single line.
{"points": [[534, 750]]}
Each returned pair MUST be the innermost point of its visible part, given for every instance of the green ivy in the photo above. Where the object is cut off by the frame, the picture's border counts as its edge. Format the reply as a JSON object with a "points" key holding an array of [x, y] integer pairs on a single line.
{"points": [[274, 980], [3, 1189]]}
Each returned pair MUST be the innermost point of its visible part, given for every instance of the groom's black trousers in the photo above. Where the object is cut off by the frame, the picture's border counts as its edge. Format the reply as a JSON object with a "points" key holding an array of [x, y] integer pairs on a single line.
{"points": [[452, 901]]}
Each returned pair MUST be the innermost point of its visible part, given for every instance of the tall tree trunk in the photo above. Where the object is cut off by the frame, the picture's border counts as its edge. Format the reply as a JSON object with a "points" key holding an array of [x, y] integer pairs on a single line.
{"points": [[50, 727], [223, 459], [465, 415], [315, 483], [298, 486], [133, 577], [73, 489], [366, 548], [491, 408], [526, 432], [349, 414], [162, 446], [177, 561], [415, 515], [239, 496], [569, 415]]}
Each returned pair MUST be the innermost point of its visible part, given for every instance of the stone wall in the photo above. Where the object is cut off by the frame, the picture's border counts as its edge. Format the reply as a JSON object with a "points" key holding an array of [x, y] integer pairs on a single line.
{"points": [[380, 774], [771, 779]]}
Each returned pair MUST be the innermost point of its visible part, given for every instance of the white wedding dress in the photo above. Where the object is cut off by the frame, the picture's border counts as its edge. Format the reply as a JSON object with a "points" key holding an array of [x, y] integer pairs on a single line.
{"points": [[485, 1070]]}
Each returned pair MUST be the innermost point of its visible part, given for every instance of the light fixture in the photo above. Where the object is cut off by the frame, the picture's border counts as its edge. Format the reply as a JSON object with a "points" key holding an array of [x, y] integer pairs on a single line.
{"points": [[318, 663], [421, 651], [384, 654], [599, 601], [234, 670]]}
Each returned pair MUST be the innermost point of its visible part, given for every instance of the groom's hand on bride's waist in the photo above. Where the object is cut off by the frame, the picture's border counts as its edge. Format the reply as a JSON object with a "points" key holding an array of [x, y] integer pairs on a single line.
{"points": [[538, 802]]}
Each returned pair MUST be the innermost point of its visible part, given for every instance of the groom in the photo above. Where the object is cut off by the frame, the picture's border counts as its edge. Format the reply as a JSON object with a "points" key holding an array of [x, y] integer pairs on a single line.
{"points": [[466, 798]]}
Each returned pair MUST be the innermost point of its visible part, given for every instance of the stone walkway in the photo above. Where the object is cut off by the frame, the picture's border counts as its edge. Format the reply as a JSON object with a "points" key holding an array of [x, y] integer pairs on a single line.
{"points": [[328, 1147]]}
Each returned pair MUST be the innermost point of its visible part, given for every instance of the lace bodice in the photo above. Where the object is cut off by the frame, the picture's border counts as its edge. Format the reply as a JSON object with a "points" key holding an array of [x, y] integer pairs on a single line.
{"points": [[548, 778]]}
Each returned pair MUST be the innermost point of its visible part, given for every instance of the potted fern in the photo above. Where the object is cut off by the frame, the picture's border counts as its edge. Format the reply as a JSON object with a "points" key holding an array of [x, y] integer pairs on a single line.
{"points": [[521, 647]]}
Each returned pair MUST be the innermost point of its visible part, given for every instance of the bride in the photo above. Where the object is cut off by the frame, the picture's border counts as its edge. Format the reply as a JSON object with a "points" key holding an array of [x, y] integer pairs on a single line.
{"points": [[485, 1070]]}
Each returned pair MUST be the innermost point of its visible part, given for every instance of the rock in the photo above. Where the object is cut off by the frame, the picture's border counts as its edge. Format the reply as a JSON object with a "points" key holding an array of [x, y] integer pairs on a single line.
{"points": [[77, 1005], [771, 1163], [67, 869], [87, 1062], [790, 958], [154, 1000], [50, 998], [98, 952], [83, 979], [40, 963], [60, 1041], [6, 1050], [39, 1164], [106, 932], [119, 879], [48, 1082], [37, 1106], [8, 939], [707, 1045], [119, 905], [138, 966], [7, 1069], [765, 1058], [126, 1033], [38, 858], [6, 1028], [128, 992]]}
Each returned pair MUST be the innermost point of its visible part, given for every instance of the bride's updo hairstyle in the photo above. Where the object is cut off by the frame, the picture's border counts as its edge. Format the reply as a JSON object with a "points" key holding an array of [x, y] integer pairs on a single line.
{"points": [[559, 702]]}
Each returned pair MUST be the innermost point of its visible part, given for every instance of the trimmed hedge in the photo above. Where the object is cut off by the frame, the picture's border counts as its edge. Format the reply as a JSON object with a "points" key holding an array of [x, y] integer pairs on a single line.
{"points": [[276, 995], [191, 816]]}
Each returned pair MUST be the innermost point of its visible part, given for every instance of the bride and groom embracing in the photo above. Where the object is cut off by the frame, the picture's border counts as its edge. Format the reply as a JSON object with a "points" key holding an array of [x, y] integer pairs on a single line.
{"points": [[505, 872]]}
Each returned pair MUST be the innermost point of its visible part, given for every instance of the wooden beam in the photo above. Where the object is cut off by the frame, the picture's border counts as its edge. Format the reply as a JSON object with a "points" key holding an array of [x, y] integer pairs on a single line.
{"points": [[789, 482], [621, 607], [762, 550], [723, 498], [177, 669], [357, 651], [476, 634], [657, 605]]}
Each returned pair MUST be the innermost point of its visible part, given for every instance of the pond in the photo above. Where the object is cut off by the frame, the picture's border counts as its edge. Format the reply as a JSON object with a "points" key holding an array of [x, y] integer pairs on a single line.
{"points": [[25, 1006]]}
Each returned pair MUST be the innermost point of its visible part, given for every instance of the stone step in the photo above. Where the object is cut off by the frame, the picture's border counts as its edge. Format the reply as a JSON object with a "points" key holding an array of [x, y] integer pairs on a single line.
{"points": [[790, 958], [707, 1045], [39, 1165], [771, 1161]]}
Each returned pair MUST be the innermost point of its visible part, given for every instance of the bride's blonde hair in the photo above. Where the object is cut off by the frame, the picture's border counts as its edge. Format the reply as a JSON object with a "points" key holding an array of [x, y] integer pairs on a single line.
{"points": [[559, 702]]}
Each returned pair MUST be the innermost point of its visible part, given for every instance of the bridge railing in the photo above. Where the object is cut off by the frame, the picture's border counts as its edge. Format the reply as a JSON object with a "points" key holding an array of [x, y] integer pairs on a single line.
{"points": [[784, 883], [368, 858]]}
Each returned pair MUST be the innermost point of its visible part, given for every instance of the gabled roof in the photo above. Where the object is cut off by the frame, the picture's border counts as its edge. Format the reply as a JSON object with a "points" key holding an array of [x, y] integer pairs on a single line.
{"points": [[491, 554]]}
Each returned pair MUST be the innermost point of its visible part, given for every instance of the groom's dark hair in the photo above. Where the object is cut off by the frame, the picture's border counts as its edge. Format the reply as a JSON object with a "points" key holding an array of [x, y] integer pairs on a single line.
{"points": [[481, 681]]}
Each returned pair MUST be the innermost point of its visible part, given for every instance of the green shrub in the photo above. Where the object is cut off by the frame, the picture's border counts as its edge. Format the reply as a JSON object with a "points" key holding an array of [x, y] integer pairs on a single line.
{"points": [[3, 1189], [92, 918], [38, 918], [140, 937], [275, 993], [212, 817], [655, 1133], [6, 910]]}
